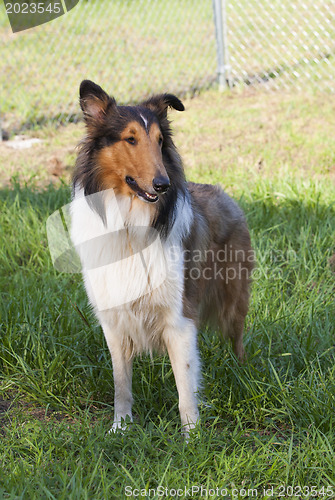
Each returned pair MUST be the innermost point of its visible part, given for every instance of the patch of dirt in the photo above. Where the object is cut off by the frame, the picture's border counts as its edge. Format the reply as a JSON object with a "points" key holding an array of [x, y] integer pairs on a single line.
{"points": [[49, 161], [4, 406], [253, 132], [10, 408], [332, 263]]}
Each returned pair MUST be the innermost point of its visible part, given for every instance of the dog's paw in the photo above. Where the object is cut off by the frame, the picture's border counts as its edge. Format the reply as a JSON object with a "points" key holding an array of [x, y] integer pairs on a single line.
{"points": [[191, 430], [120, 425], [116, 427]]}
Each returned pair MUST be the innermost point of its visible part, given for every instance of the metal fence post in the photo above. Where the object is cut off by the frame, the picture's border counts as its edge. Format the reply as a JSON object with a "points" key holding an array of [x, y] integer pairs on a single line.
{"points": [[219, 10]]}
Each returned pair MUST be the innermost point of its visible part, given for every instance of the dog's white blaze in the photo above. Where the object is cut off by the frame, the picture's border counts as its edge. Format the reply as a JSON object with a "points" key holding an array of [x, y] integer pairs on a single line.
{"points": [[145, 121]]}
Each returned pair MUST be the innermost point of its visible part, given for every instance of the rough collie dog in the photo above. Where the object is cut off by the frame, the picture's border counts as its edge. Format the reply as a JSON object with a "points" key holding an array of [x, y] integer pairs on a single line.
{"points": [[160, 256]]}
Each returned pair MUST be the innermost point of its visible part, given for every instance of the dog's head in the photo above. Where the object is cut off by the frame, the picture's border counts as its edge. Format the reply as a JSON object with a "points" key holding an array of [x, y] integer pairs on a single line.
{"points": [[127, 146]]}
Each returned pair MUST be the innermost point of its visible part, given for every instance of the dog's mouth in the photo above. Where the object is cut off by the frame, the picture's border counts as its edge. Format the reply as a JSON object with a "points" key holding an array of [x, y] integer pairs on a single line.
{"points": [[144, 195]]}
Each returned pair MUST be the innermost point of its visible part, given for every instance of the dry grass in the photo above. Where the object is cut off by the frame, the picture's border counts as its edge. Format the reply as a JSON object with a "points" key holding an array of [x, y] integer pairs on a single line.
{"points": [[218, 133]]}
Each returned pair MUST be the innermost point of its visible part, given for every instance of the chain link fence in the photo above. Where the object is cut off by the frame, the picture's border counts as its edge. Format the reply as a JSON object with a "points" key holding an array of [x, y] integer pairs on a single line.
{"points": [[134, 48], [281, 43]]}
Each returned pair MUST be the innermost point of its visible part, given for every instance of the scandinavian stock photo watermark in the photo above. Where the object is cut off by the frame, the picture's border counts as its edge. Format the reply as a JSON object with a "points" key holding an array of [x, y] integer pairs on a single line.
{"points": [[141, 249], [199, 491]]}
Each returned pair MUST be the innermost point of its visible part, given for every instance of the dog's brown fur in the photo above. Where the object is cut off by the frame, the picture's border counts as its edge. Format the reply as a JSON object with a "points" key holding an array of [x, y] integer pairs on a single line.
{"points": [[221, 236], [128, 149]]}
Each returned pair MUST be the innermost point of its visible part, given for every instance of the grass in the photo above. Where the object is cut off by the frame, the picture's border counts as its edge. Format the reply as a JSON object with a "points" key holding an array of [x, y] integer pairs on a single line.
{"points": [[266, 424]]}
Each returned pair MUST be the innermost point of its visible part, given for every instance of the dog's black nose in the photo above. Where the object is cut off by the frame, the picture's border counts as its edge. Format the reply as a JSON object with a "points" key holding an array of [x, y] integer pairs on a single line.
{"points": [[161, 184]]}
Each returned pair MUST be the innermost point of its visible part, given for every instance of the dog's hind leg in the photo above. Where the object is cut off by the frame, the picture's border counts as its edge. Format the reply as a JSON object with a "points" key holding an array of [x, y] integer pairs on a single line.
{"points": [[231, 323], [234, 303], [181, 344], [235, 333], [122, 372]]}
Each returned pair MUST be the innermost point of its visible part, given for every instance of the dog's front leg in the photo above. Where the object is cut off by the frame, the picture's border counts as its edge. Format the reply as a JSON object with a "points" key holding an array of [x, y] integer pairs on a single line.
{"points": [[181, 344], [122, 372]]}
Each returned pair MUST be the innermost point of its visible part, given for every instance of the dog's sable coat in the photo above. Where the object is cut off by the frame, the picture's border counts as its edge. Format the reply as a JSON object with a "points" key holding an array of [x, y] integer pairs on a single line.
{"points": [[128, 156]]}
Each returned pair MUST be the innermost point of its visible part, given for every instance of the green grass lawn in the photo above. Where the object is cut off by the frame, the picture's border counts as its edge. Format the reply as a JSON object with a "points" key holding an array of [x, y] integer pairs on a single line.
{"points": [[266, 424]]}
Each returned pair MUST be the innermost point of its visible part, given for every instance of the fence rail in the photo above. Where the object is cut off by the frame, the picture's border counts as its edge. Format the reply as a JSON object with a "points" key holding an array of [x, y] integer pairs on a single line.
{"points": [[136, 47]]}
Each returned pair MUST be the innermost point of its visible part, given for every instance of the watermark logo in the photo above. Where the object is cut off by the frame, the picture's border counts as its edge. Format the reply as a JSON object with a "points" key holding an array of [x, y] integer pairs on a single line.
{"points": [[121, 264], [25, 14]]}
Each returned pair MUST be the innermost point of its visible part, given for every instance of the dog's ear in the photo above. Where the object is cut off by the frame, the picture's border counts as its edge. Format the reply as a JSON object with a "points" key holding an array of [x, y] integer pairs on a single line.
{"points": [[94, 102], [159, 104]]}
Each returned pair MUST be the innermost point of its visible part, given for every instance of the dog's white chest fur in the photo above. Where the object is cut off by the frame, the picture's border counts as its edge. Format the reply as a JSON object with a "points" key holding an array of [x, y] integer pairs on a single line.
{"points": [[133, 278]]}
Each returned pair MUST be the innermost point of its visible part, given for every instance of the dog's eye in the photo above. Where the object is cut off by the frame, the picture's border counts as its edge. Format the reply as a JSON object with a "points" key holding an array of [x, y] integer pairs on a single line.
{"points": [[160, 141], [131, 140]]}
